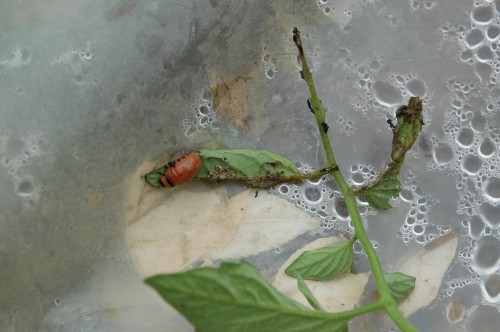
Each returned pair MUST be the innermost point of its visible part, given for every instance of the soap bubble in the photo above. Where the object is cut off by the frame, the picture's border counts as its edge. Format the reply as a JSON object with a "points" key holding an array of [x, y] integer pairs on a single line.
{"points": [[491, 189], [486, 255], [482, 15]]}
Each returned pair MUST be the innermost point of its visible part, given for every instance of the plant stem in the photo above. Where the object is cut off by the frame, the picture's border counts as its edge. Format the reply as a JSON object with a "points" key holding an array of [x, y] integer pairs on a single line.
{"points": [[319, 111], [349, 314], [377, 305]]}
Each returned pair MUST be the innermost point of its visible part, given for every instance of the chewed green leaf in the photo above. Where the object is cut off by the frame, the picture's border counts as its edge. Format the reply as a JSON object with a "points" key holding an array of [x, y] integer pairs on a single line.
{"points": [[257, 168], [235, 297], [244, 162], [324, 263], [400, 285], [381, 192], [307, 293], [153, 178], [410, 123], [387, 184]]}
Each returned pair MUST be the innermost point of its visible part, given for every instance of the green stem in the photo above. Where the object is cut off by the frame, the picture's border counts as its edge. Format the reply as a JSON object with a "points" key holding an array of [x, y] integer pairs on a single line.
{"points": [[353, 239], [385, 297], [349, 314]]}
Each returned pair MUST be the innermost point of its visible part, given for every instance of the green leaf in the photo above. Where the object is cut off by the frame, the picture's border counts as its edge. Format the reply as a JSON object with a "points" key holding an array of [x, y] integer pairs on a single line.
{"points": [[307, 293], [258, 168], [235, 297], [324, 263], [400, 285], [153, 178], [410, 123], [244, 162], [379, 194], [386, 185]]}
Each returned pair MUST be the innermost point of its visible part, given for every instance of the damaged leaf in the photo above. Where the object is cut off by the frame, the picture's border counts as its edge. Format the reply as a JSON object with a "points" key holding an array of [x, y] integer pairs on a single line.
{"points": [[256, 168], [387, 185], [244, 162], [410, 123], [259, 168]]}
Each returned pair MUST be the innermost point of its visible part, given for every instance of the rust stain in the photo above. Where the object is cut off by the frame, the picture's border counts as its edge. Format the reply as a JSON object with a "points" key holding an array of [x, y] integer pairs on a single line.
{"points": [[230, 101], [122, 10]]}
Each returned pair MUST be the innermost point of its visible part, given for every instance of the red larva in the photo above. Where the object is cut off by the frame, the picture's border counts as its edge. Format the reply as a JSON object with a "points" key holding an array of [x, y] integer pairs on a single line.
{"points": [[184, 170]]}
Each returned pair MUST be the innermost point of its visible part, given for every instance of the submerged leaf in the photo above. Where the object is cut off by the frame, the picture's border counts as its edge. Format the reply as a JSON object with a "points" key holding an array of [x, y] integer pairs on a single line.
{"points": [[429, 267], [387, 185], [400, 285], [324, 263], [235, 297]]}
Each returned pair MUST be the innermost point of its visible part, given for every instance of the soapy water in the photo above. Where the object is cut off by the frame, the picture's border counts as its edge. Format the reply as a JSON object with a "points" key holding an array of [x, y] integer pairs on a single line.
{"points": [[17, 153], [77, 62], [466, 145], [18, 58], [313, 196], [490, 287], [205, 116], [469, 147], [321, 199]]}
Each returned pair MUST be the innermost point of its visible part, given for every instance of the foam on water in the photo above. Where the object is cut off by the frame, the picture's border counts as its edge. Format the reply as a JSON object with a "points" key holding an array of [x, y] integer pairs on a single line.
{"points": [[17, 154], [490, 214], [347, 127], [474, 38], [490, 286], [468, 146], [269, 62], [492, 33], [387, 94], [443, 154], [203, 116], [319, 199], [475, 227], [471, 164], [416, 221], [485, 257], [19, 57], [381, 97], [491, 189], [482, 15], [486, 149]]}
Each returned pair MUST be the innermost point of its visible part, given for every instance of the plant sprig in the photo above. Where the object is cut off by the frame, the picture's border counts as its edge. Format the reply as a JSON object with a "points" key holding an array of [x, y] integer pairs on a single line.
{"points": [[386, 184], [235, 296], [385, 297], [257, 168]]}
